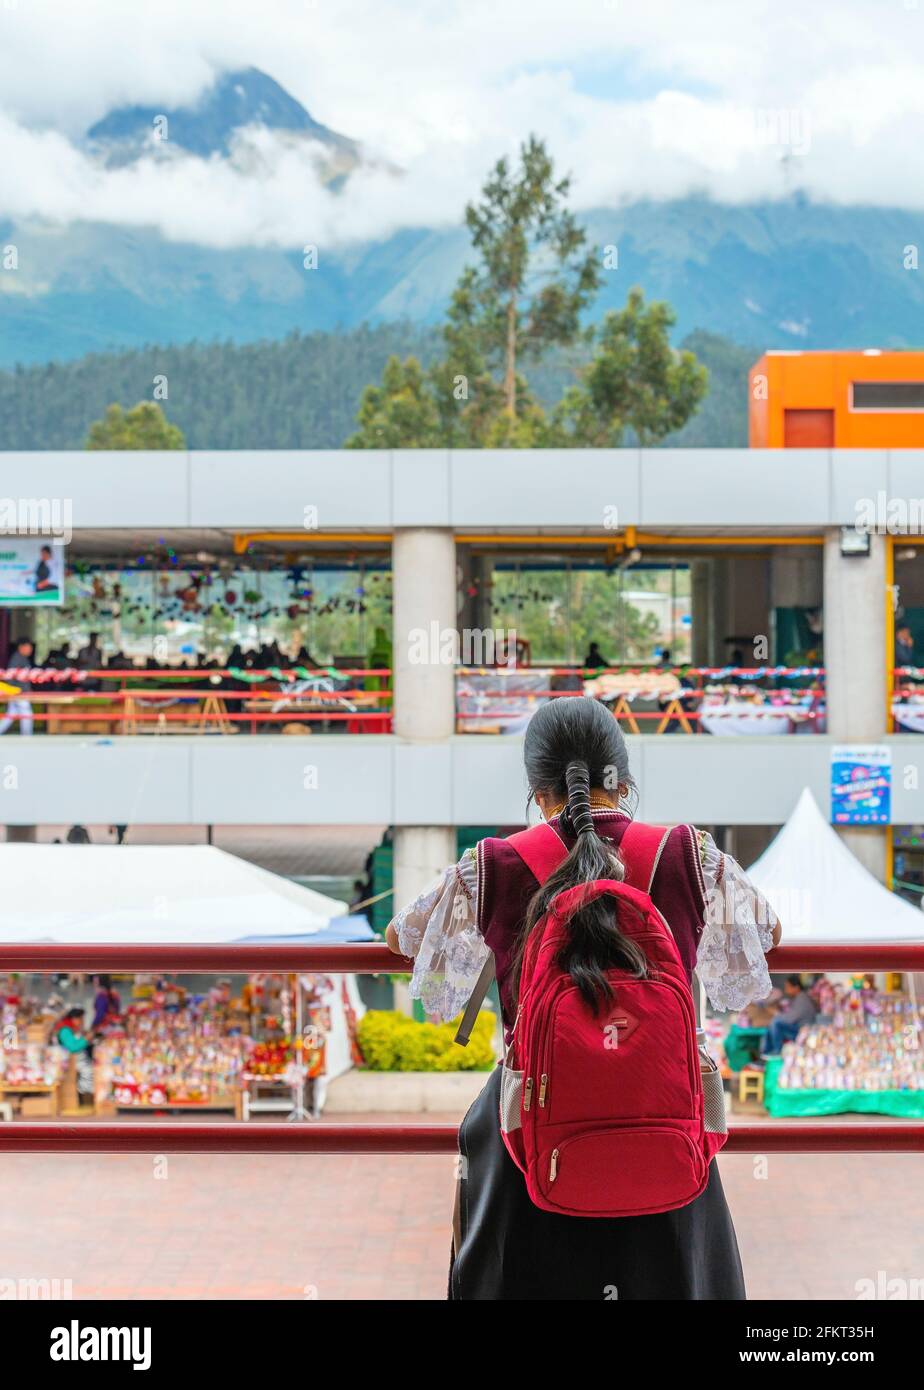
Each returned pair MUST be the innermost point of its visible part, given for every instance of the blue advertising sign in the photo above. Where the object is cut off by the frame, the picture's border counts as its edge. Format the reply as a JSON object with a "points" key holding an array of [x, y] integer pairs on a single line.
{"points": [[861, 784]]}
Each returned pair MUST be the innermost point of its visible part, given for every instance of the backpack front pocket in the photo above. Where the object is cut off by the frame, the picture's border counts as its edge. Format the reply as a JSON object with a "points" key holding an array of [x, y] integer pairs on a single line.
{"points": [[642, 1170]]}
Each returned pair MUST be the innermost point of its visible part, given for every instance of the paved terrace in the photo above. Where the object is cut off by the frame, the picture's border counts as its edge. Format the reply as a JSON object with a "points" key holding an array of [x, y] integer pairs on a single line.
{"points": [[350, 1226]]}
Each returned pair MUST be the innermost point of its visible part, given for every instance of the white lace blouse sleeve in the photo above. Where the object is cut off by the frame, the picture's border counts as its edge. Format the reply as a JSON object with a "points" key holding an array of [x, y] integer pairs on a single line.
{"points": [[440, 931], [737, 932]]}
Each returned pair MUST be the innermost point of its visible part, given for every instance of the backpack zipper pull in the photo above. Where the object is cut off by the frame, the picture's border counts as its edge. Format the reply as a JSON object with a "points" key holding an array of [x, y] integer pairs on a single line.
{"points": [[553, 1166], [543, 1087], [528, 1093]]}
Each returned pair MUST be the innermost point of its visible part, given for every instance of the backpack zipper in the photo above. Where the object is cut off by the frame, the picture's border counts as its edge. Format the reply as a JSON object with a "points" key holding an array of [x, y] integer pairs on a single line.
{"points": [[543, 1087], [553, 1166], [528, 1093]]}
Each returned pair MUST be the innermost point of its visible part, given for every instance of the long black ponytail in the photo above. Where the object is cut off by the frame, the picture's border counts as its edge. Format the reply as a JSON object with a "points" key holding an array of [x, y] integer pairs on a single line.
{"points": [[571, 745]]}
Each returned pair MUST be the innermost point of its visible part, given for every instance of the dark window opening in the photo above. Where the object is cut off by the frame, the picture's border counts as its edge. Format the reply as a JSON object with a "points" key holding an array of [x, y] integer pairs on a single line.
{"points": [[888, 395]]}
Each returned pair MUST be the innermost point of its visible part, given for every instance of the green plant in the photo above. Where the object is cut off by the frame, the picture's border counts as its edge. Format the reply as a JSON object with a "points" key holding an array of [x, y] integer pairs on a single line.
{"points": [[145, 426], [390, 1041]]}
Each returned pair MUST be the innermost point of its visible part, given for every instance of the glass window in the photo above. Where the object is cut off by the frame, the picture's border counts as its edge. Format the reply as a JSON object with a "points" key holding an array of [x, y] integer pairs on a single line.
{"points": [[632, 614], [888, 395]]}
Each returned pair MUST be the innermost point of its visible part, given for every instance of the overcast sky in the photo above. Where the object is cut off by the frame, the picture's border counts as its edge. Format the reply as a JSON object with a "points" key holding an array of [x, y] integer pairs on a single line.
{"points": [[744, 99]]}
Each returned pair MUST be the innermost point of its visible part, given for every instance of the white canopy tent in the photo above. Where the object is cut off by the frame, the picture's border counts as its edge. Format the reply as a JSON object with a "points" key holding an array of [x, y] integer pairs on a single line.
{"points": [[822, 893], [151, 893]]}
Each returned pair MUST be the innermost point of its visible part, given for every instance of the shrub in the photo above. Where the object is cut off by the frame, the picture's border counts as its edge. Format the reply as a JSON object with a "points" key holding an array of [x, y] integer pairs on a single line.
{"points": [[390, 1041]]}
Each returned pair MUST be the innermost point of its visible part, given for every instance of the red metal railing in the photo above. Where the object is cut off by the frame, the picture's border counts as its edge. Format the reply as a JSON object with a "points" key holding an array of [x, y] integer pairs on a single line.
{"points": [[42, 957], [228, 1137], [323, 1138], [134, 700]]}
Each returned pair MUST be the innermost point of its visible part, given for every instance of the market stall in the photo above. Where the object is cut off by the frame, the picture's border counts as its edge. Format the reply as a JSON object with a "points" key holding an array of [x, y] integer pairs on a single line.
{"points": [[863, 1053], [176, 1043], [908, 711], [865, 1050], [500, 699], [742, 710], [32, 1068]]}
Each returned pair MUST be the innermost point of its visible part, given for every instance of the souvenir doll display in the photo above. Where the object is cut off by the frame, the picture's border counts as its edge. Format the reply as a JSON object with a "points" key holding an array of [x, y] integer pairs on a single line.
{"points": [[289, 1025], [863, 1052], [31, 1065], [172, 1049], [255, 1042]]}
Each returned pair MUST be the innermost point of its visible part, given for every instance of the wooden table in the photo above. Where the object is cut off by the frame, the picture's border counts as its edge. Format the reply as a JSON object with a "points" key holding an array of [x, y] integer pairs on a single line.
{"points": [[36, 1088]]}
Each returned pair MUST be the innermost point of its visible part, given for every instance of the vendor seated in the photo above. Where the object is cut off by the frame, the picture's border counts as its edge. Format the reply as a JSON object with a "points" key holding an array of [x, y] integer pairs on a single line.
{"points": [[797, 1010], [69, 1034]]}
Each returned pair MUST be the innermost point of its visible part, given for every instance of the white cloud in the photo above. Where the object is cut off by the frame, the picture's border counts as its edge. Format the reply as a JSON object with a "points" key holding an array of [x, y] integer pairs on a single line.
{"points": [[744, 101]]}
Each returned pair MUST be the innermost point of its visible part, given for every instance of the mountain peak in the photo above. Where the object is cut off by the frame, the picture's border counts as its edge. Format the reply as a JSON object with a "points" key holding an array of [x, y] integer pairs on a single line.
{"points": [[245, 97]]}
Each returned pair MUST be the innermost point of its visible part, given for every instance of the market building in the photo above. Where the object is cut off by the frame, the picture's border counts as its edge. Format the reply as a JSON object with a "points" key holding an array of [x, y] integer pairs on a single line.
{"points": [[716, 560], [353, 641]]}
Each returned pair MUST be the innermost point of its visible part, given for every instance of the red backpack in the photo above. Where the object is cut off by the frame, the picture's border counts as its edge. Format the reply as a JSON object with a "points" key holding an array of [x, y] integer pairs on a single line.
{"points": [[605, 1114]]}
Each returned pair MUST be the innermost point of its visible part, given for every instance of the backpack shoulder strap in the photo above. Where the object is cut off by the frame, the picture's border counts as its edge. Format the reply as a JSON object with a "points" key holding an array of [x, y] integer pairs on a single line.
{"points": [[640, 850], [540, 849], [475, 1001]]}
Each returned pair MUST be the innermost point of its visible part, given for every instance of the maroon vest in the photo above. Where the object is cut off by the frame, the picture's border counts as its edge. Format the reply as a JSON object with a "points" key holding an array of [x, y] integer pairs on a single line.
{"points": [[505, 886]]}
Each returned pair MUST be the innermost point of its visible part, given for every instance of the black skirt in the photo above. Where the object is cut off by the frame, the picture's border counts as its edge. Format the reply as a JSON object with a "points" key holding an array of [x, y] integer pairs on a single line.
{"points": [[511, 1249]]}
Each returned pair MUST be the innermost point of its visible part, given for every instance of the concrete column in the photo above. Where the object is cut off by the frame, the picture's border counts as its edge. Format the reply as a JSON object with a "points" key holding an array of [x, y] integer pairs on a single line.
{"points": [[796, 581], [465, 602], [718, 611], [748, 613], [699, 612], [424, 605], [855, 665], [482, 567], [425, 648], [473, 603], [421, 853]]}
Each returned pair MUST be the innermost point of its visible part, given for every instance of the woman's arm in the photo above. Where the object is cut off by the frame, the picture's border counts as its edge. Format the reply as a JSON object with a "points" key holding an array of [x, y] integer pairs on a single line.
{"points": [[440, 932], [739, 928]]}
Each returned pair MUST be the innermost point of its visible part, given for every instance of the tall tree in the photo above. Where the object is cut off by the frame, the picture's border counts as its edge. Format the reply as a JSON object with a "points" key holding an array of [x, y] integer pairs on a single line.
{"points": [[536, 275], [145, 426], [522, 302]]}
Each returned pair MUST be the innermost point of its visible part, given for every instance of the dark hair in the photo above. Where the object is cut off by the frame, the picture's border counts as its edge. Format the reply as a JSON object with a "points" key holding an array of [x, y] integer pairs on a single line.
{"points": [[571, 745], [794, 980]]}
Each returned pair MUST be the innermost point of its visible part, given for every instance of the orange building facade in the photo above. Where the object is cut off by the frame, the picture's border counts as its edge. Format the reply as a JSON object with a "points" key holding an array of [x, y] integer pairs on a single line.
{"points": [[843, 400]]}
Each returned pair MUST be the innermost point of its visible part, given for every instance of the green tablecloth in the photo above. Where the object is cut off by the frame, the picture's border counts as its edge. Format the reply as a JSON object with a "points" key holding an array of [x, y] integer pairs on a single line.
{"points": [[908, 1104], [742, 1045]]}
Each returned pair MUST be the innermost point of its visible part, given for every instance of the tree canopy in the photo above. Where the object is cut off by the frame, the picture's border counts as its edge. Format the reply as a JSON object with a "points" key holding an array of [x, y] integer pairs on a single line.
{"points": [[144, 426]]}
